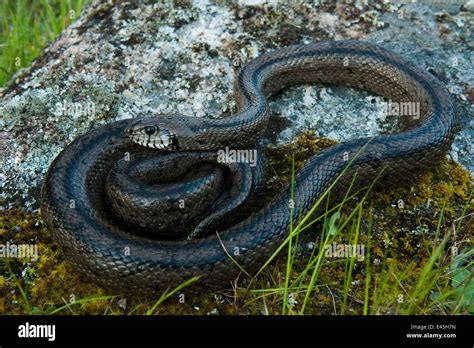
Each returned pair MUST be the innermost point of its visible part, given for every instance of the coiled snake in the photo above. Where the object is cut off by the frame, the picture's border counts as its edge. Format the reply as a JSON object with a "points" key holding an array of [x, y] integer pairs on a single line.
{"points": [[98, 196]]}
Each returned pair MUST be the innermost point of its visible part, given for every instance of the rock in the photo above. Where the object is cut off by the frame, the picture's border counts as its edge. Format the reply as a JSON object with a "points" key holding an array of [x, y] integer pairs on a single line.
{"points": [[469, 6]]}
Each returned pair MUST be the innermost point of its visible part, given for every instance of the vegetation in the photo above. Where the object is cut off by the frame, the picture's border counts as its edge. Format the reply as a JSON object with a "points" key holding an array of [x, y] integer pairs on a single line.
{"points": [[27, 26]]}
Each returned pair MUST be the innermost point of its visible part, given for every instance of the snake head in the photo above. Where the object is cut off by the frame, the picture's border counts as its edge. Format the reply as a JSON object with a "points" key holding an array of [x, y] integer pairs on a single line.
{"points": [[154, 133]]}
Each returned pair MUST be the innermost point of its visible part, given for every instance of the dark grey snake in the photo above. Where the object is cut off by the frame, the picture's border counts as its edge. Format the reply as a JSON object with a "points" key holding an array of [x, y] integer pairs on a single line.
{"points": [[95, 189]]}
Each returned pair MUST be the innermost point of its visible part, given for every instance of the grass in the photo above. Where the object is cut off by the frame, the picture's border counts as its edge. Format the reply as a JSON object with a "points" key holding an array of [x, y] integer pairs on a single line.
{"points": [[26, 27], [168, 294], [394, 289]]}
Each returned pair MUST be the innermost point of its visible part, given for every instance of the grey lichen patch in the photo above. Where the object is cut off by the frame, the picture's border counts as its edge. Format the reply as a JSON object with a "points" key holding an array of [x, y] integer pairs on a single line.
{"points": [[125, 59], [439, 39], [338, 113], [41, 120]]}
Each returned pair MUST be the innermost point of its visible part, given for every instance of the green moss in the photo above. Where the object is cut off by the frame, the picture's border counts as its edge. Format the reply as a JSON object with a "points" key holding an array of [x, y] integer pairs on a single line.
{"points": [[280, 158]]}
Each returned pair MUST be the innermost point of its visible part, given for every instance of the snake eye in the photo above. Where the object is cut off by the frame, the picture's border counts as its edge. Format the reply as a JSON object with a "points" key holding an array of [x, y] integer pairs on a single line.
{"points": [[150, 130]]}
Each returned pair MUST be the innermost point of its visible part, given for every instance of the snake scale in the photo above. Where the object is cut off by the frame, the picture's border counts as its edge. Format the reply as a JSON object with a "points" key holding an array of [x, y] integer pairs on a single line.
{"points": [[107, 168]]}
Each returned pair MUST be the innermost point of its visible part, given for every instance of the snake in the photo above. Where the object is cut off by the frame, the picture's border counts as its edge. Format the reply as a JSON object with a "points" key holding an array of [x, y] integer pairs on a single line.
{"points": [[122, 199]]}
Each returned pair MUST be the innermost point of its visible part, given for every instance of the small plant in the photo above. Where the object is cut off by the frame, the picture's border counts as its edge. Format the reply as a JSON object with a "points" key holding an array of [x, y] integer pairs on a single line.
{"points": [[27, 26]]}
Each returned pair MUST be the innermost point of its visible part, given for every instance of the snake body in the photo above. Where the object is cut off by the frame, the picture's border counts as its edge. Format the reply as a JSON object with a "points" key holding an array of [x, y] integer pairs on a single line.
{"points": [[119, 253]]}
